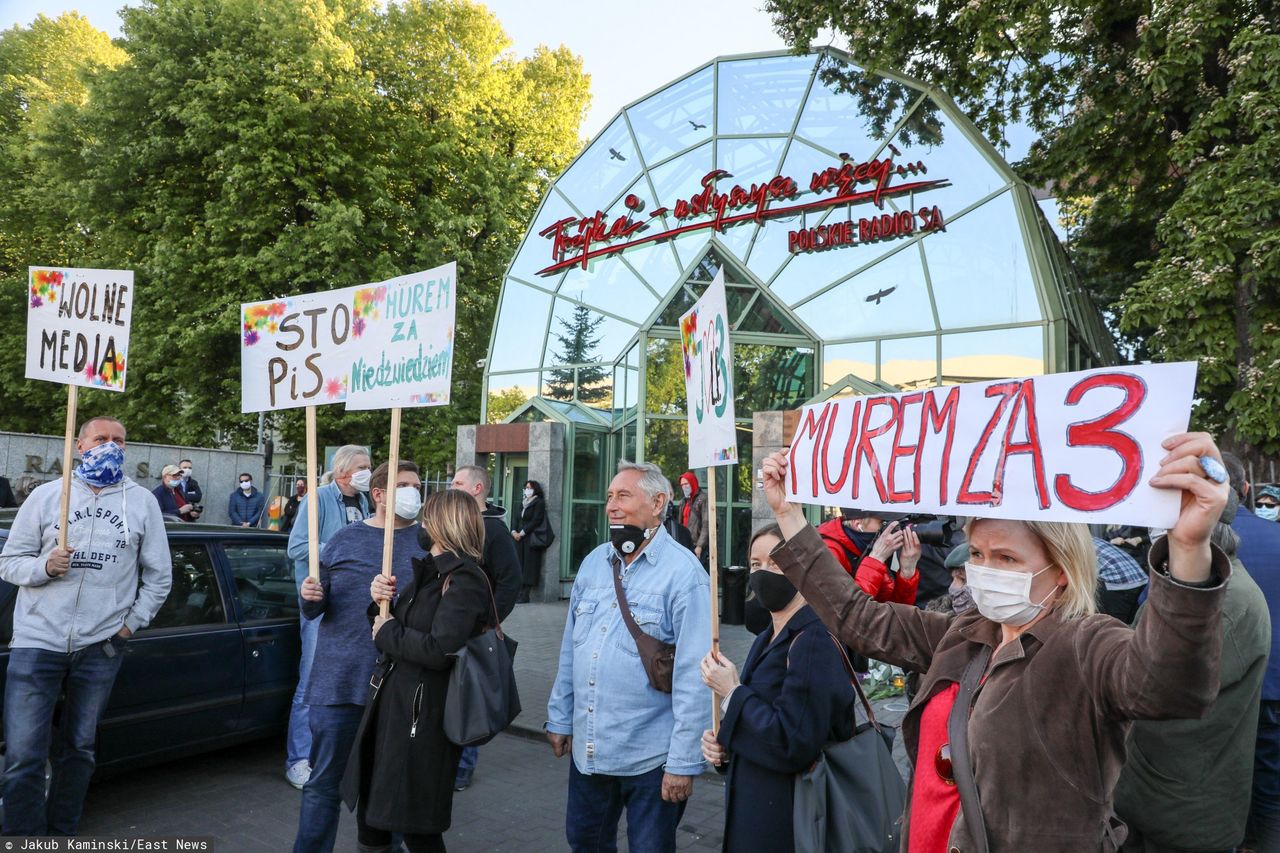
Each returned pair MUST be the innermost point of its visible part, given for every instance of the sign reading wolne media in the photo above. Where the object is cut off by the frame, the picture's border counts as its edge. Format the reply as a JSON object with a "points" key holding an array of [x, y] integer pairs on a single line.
{"points": [[1076, 447], [708, 379], [78, 326]]}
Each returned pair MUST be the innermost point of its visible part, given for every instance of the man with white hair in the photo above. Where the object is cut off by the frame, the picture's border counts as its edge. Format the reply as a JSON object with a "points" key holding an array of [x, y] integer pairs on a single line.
{"points": [[633, 734], [345, 499]]}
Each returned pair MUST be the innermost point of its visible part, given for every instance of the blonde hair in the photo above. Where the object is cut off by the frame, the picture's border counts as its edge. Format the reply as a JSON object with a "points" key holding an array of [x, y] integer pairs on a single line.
{"points": [[1070, 548], [453, 520]]}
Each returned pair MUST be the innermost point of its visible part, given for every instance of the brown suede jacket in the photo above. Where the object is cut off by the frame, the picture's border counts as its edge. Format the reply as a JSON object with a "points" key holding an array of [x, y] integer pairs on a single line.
{"points": [[1048, 727]]}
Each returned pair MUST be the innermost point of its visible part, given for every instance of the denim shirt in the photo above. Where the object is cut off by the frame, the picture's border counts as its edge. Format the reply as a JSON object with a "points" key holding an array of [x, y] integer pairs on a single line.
{"points": [[621, 725]]}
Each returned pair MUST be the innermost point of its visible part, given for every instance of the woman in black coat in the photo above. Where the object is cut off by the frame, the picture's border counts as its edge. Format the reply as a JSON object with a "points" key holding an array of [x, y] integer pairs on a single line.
{"points": [[533, 514], [794, 697], [401, 771]]}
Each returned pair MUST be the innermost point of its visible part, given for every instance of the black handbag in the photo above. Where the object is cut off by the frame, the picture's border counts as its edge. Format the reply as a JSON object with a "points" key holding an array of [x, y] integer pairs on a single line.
{"points": [[482, 699], [851, 800], [541, 537]]}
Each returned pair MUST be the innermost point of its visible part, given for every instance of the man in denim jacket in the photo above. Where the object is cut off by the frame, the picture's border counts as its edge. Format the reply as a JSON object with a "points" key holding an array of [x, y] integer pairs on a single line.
{"points": [[632, 745]]}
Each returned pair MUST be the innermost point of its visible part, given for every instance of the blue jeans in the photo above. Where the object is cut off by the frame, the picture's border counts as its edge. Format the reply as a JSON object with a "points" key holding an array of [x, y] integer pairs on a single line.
{"points": [[333, 731], [299, 739], [596, 803], [35, 679], [1264, 811], [467, 765]]}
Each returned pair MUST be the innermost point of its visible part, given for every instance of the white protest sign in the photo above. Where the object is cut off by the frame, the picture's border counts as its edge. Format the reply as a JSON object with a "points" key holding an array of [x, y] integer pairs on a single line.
{"points": [[293, 352], [708, 379], [1065, 447], [402, 344], [78, 326]]}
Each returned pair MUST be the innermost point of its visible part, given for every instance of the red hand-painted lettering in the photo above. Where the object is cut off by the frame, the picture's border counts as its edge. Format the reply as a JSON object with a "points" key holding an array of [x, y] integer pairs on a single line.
{"points": [[1102, 432]]}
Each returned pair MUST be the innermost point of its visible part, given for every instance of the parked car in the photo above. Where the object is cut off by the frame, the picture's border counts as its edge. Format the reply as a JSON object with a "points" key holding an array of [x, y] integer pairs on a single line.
{"points": [[219, 662]]}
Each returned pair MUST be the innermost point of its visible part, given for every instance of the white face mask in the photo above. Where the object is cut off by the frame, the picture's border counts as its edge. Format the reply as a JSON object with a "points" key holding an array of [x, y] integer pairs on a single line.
{"points": [[1004, 596], [360, 479], [1270, 513], [528, 493], [408, 502], [687, 489], [247, 485], [186, 472]]}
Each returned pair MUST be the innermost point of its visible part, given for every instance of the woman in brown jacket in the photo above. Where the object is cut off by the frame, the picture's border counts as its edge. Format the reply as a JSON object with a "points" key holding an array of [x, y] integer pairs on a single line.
{"points": [[1029, 694]]}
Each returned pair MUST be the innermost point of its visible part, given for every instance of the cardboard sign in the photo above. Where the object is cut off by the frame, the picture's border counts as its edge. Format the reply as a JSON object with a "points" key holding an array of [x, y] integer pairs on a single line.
{"points": [[401, 349], [1065, 447], [292, 350], [78, 326], [708, 379]]}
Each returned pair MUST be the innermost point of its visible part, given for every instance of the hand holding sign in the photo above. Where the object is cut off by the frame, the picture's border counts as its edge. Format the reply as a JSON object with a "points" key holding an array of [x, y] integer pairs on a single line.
{"points": [[1201, 505]]}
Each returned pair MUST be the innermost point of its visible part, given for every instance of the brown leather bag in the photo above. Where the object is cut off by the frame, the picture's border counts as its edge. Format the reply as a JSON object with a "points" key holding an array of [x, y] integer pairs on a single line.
{"points": [[659, 658]]}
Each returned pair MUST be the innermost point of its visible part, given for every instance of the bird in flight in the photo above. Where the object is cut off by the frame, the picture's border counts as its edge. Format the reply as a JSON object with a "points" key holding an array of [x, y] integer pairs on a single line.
{"points": [[894, 149], [614, 155], [696, 126], [876, 297]]}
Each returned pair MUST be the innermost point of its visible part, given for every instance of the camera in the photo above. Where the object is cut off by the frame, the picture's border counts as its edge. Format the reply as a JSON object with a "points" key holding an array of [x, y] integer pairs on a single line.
{"points": [[931, 529]]}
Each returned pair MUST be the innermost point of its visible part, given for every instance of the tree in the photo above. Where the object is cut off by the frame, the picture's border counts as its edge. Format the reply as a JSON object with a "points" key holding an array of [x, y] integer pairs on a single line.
{"points": [[1146, 114], [578, 344], [256, 148]]}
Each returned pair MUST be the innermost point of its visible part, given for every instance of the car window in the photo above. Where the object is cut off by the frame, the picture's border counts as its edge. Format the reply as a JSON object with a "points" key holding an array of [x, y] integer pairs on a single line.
{"points": [[264, 580], [194, 598]]}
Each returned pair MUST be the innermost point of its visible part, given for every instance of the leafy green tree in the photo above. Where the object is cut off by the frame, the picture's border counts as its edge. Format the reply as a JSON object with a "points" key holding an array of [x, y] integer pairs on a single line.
{"points": [[256, 148], [578, 343], [1157, 124]]}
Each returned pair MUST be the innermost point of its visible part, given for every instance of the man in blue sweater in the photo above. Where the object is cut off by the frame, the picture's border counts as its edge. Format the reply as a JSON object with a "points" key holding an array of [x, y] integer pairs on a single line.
{"points": [[1260, 553], [246, 504], [338, 504]]}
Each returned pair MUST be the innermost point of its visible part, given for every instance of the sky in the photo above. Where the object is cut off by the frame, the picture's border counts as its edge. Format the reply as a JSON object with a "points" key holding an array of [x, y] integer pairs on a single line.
{"points": [[629, 51]]}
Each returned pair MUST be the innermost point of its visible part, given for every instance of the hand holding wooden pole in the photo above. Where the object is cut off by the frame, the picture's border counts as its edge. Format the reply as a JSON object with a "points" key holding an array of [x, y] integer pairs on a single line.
{"points": [[68, 448], [713, 564], [389, 503]]}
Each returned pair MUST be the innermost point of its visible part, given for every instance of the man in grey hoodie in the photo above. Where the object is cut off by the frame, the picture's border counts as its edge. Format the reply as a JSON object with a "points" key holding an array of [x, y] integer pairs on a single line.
{"points": [[76, 609]]}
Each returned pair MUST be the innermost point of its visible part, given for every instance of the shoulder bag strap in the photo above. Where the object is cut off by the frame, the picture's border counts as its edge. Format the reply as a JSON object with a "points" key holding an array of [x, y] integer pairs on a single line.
{"points": [[497, 625], [958, 735], [853, 676], [636, 633]]}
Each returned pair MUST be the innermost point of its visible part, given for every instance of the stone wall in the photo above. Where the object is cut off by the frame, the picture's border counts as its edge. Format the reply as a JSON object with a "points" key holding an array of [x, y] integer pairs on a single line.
{"points": [[29, 460]]}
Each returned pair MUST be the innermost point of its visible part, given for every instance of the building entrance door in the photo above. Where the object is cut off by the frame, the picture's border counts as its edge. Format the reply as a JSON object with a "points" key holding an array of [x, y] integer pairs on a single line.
{"points": [[512, 476]]}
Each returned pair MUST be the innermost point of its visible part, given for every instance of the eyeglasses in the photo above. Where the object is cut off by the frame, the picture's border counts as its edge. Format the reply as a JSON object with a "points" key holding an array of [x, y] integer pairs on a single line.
{"points": [[1267, 504], [942, 764]]}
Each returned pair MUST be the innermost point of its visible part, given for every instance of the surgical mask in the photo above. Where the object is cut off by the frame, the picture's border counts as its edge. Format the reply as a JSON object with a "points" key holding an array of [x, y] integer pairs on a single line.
{"points": [[1004, 596], [627, 538], [1270, 513], [186, 472], [961, 598], [360, 479], [774, 590], [102, 465], [528, 493], [687, 489], [246, 485], [424, 539], [408, 502]]}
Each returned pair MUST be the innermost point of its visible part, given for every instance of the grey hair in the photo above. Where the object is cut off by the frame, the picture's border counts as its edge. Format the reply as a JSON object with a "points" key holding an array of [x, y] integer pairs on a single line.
{"points": [[652, 480], [1225, 538], [476, 474], [345, 456]]}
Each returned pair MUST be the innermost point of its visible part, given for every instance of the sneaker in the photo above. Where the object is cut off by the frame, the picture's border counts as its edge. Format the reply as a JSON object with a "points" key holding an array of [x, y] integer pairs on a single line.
{"points": [[463, 781], [298, 774]]}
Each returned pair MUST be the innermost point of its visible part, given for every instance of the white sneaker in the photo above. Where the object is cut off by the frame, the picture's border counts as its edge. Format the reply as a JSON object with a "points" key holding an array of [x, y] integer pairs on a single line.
{"points": [[298, 774]]}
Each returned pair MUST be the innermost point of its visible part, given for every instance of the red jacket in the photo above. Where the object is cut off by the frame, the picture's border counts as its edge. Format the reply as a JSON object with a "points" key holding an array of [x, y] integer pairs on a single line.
{"points": [[871, 575]]}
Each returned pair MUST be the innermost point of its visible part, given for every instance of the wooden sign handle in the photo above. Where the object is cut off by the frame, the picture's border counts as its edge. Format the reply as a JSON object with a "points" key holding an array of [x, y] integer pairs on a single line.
{"points": [[713, 564], [68, 449], [313, 506], [389, 503]]}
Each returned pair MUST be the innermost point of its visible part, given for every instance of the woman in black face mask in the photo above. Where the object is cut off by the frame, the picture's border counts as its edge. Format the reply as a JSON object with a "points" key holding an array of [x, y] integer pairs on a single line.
{"points": [[793, 697]]}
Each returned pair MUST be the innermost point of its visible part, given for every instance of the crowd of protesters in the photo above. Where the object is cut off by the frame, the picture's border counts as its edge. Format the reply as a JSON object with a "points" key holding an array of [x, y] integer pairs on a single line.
{"points": [[1117, 688]]}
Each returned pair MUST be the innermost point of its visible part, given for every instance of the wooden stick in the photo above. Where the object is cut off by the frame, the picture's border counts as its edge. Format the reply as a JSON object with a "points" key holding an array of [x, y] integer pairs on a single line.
{"points": [[389, 503], [313, 507], [68, 448], [713, 563]]}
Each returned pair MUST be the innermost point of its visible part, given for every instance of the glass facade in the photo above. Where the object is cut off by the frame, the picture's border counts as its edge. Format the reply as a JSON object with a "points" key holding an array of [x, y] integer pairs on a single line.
{"points": [[901, 249]]}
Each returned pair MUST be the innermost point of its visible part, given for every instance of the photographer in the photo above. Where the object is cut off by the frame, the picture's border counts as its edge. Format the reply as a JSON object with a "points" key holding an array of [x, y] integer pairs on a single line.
{"points": [[863, 546]]}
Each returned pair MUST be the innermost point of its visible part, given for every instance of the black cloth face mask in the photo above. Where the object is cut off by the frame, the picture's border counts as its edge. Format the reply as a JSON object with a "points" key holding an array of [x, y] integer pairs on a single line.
{"points": [[627, 538], [773, 590]]}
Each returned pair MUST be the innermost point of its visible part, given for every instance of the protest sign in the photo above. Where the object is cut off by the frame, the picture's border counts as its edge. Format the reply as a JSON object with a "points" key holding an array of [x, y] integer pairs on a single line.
{"points": [[708, 379], [78, 326], [1065, 447], [292, 350], [402, 341]]}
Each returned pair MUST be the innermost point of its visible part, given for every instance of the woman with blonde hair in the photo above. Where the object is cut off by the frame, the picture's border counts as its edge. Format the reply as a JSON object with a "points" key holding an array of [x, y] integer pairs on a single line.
{"points": [[401, 771], [1017, 731]]}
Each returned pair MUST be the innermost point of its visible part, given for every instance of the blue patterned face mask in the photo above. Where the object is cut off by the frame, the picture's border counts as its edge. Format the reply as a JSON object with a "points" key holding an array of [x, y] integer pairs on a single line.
{"points": [[102, 465]]}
